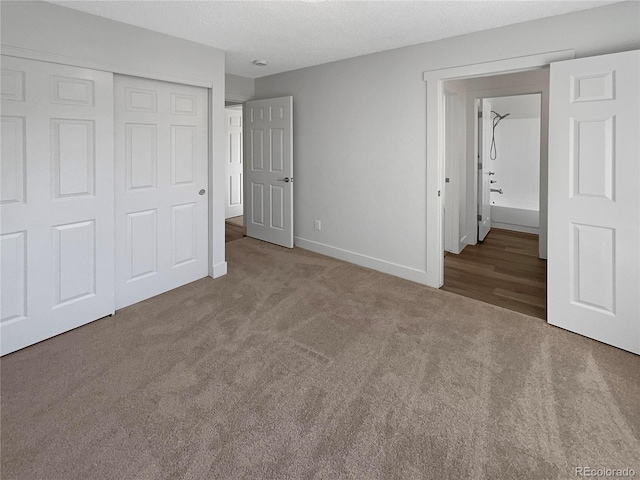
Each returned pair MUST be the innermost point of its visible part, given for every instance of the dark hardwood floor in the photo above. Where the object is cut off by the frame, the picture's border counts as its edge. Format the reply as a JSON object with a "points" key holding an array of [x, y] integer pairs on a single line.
{"points": [[503, 270]]}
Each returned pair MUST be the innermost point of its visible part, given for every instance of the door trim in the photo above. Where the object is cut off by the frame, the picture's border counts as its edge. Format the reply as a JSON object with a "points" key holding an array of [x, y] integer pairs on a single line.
{"points": [[435, 142]]}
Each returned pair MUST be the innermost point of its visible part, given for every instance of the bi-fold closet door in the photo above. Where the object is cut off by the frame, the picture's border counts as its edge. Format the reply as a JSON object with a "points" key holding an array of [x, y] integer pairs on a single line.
{"points": [[70, 250]]}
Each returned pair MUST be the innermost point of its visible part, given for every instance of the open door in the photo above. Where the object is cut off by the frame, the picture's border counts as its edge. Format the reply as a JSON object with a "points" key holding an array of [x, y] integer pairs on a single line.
{"points": [[594, 200], [233, 166], [484, 181], [268, 150]]}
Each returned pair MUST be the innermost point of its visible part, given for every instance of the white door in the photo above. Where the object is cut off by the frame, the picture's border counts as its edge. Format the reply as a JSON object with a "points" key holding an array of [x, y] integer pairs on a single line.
{"points": [[160, 183], [594, 199], [268, 150], [450, 241], [484, 180], [233, 168], [57, 200]]}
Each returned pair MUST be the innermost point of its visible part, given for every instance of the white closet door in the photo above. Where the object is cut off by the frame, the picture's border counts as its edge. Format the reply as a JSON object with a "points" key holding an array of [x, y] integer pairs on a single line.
{"points": [[161, 180], [57, 232]]}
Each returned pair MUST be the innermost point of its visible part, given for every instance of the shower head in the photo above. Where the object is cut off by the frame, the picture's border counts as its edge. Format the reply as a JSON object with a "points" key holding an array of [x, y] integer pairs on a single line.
{"points": [[500, 117], [493, 153]]}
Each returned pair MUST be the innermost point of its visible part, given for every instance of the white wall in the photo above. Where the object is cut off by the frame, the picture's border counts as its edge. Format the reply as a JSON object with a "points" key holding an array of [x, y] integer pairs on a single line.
{"points": [[517, 164], [69, 36], [359, 132], [239, 89]]}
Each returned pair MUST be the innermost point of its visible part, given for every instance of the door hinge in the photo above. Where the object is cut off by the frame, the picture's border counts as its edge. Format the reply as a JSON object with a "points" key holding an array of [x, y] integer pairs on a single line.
{"points": [[446, 180], [479, 218], [438, 192], [479, 165]]}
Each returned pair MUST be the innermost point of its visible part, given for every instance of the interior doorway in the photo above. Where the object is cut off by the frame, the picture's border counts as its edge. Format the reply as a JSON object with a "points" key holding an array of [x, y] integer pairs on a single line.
{"points": [[492, 209], [234, 165]]}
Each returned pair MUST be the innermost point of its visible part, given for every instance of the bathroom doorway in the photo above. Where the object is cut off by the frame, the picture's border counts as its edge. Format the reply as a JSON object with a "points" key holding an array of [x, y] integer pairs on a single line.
{"points": [[510, 146], [493, 190]]}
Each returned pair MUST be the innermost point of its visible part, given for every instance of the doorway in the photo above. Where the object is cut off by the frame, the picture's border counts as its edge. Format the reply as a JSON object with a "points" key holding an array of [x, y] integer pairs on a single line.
{"points": [[233, 209], [593, 240], [493, 147]]}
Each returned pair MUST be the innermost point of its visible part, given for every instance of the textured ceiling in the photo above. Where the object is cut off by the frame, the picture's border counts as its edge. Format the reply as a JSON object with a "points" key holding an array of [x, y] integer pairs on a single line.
{"points": [[296, 34]]}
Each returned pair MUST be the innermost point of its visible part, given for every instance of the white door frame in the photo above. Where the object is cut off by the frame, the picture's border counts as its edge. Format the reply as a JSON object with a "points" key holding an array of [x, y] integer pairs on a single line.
{"points": [[435, 142]]}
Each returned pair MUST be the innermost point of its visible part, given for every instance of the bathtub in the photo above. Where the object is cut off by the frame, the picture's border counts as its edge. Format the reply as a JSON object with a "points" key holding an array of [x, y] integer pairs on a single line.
{"points": [[518, 216]]}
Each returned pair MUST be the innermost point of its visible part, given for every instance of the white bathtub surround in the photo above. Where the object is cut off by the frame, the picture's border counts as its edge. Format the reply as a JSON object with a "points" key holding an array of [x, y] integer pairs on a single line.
{"points": [[520, 218], [517, 165]]}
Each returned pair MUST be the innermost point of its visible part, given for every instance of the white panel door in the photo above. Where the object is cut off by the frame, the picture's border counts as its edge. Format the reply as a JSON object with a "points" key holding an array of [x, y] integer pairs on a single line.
{"points": [[268, 150], [57, 200], [594, 199], [160, 183], [233, 167], [484, 180], [450, 240]]}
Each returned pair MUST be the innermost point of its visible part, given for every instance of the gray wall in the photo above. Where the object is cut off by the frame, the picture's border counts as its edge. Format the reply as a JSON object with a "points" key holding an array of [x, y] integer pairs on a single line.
{"points": [[239, 89], [359, 131], [69, 36]]}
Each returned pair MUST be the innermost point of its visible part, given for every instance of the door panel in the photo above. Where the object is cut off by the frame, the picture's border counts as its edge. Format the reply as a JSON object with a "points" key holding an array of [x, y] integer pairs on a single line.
{"points": [[269, 150], [57, 200], [484, 180], [594, 204], [13, 160], [234, 165], [161, 166]]}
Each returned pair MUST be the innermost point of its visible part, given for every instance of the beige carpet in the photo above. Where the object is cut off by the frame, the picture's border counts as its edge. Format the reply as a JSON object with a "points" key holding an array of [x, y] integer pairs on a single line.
{"points": [[297, 366]]}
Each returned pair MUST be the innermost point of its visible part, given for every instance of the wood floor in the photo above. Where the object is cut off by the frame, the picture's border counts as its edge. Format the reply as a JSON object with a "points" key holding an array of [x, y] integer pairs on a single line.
{"points": [[503, 270], [233, 229]]}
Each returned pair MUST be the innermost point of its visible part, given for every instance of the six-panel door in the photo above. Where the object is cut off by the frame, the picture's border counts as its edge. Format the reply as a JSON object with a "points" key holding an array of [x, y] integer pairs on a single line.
{"points": [[160, 182], [269, 170], [594, 200], [56, 243], [234, 165]]}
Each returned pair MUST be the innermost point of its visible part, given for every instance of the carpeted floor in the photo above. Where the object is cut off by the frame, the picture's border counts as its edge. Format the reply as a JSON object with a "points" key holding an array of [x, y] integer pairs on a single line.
{"points": [[297, 366]]}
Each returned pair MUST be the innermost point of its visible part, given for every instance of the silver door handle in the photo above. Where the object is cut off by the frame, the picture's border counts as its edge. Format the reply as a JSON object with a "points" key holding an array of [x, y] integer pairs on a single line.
{"points": [[285, 179], [201, 192]]}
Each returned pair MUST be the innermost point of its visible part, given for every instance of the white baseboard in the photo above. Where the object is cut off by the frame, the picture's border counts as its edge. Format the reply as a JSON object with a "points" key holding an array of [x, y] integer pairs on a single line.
{"points": [[383, 266], [219, 269]]}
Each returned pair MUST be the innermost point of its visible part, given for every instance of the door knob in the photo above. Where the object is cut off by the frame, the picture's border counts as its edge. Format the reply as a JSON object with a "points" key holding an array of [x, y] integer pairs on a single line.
{"points": [[201, 192], [285, 179]]}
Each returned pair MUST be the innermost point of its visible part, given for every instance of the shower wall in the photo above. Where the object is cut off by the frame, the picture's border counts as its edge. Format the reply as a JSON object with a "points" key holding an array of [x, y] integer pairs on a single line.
{"points": [[517, 171]]}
